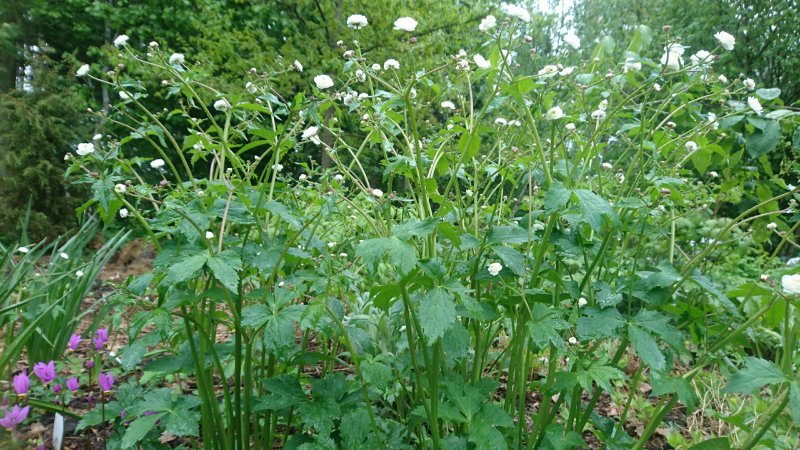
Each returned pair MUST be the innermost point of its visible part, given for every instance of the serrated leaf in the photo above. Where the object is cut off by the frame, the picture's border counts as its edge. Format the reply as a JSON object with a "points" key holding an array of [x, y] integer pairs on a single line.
{"points": [[545, 327], [508, 235], [679, 386], [761, 142], [757, 373], [376, 373], [556, 197], [647, 348], [138, 429], [511, 258], [415, 228], [595, 209], [794, 401], [717, 443], [599, 323], [224, 272], [399, 253], [187, 268], [437, 313], [283, 212], [602, 375]]}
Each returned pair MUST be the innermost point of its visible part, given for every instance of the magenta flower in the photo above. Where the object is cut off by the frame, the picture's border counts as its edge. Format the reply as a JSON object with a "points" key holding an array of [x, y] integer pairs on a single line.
{"points": [[106, 381], [14, 417], [45, 372], [101, 338], [21, 383], [73, 384], [74, 342], [56, 388], [88, 364]]}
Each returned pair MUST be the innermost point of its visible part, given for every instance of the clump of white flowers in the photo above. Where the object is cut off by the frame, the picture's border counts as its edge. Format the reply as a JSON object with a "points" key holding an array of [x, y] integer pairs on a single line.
{"points": [[691, 146], [749, 84], [405, 24], [176, 58], [726, 40], [447, 104], [222, 105], [123, 213], [673, 56], [323, 81], [516, 11], [481, 62], [157, 163], [82, 71], [311, 133], [120, 40], [120, 188], [755, 105], [357, 21], [572, 40], [209, 235], [494, 268], [487, 23], [554, 113], [85, 148], [391, 64]]}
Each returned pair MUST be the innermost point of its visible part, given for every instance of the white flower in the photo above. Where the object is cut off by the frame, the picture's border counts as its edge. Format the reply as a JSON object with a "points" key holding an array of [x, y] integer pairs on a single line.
{"points": [[78, 273], [63, 255], [85, 148], [722, 79], [82, 71], [331, 244], [566, 71], [357, 21], [297, 65], [481, 62], [222, 105], [598, 114], [487, 23], [376, 67], [772, 226], [672, 57], [494, 268], [157, 163], [391, 64], [350, 97], [250, 87], [462, 64], [124, 95], [447, 104], [120, 40], [469, 192], [500, 121], [607, 165], [516, 11], [514, 123], [23, 249], [582, 302], [343, 255], [713, 174], [338, 178], [323, 81], [657, 87], [631, 64], [123, 213], [405, 24], [209, 235], [153, 44], [791, 283], [570, 126], [755, 105], [725, 39], [377, 193], [176, 58], [691, 146], [311, 133], [302, 177], [550, 69], [554, 113], [749, 84], [201, 193], [702, 57], [572, 340], [361, 76], [120, 188], [572, 40]]}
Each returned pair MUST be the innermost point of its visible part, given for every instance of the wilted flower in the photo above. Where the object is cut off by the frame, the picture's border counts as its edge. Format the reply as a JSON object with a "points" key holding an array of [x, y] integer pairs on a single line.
{"points": [[120, 188], [14, 417], [123, 213], [494, 268], [791, 283], [357, 21], [462, 64], [516, 11], [487, 23], [45, 372], [481, 62], [121, 40], [176, 58], [82, 71], [447, 104], [157, 163], [73, 384], [554, 113], [572, 40], [106, 381], [74, 341], [725, 39], [323, 81], [391, 64], [21, 383], [691, 146], [755, 105], [85, 148], [222, 104], [749, 84], [405, 24]]}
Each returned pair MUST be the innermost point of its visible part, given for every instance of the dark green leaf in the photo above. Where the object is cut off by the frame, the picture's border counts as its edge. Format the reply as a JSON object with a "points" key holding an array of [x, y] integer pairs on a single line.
{"points": [[437, 313]]}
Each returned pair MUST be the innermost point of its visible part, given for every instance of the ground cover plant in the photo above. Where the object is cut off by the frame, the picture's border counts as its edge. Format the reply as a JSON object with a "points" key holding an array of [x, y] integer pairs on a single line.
{"points": [[498, 246]]}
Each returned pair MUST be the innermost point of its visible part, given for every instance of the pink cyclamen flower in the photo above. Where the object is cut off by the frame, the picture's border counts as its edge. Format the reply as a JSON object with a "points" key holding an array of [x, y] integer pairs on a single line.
{"points": [[106, 381], [56, 388], [101, 338], [74, 342], [73, 384], [14, 417], [45, 372], [21, 383]]}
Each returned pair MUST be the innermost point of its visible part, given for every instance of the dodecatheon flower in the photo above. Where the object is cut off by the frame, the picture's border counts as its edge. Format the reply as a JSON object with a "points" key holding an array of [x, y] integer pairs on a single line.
{"points": [[14, 417], [106, 381], [45, 372], [74, 342], [101, 338], [21, 383], [73, 384], [56, 388]]}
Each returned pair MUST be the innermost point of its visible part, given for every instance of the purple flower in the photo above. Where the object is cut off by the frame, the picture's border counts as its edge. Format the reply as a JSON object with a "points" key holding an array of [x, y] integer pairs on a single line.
{"points": [[56, 388], [14, 417], [73, 384], [122, 414], [88, 364], [45, 372], [74, 342], [21, 383], [106, 381]]}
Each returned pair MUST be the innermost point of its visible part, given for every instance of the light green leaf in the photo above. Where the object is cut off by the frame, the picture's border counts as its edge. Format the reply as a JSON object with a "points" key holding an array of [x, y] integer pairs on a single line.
{"points": [[556, 197], [768, 93], [508, 235], [511, 258], [647, 348], [757, 373], [415, 228], [138, 429], [437, 313], [761, 142]]}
